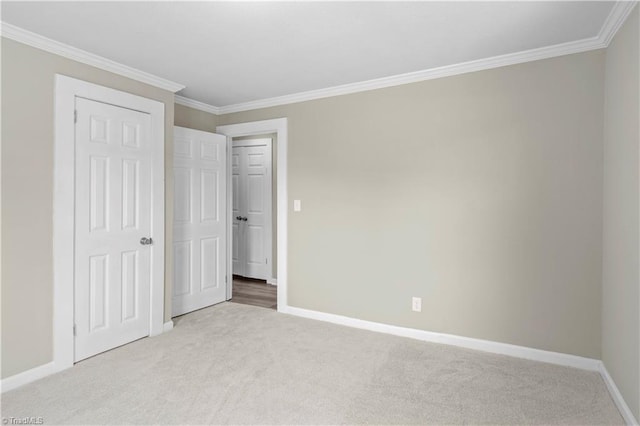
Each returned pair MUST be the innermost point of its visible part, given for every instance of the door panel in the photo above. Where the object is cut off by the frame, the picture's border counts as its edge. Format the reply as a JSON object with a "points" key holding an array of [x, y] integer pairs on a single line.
{"points": [[182, 268], [129, 285], [113, 212], [209, 269], [252, 196], [257, 186], [199, 220], [209, 196], [238, 246], [182, 195], [130, 194]]}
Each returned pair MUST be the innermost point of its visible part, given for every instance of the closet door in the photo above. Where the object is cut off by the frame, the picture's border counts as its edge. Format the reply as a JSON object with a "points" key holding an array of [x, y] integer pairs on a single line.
{"points": [[113, 170], [251, 162]]}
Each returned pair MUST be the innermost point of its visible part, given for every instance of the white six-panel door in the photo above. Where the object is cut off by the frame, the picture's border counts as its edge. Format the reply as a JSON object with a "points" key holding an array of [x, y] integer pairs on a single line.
{"points": [[251, 213], [113, 213], [199, 232]]}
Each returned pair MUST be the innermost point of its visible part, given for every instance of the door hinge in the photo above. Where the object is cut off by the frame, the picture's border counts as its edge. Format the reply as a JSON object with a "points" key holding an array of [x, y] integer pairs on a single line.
{"points": [[74, 329], [225, 279], [266, 261], [75, 115]]}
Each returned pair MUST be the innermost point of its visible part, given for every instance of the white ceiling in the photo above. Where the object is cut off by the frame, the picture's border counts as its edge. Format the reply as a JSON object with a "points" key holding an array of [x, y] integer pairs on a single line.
{"points": [[233, 52]]}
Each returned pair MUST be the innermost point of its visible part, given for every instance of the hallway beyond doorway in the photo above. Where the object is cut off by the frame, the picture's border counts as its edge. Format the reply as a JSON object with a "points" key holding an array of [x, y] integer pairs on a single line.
{"points": [[248, 291]]}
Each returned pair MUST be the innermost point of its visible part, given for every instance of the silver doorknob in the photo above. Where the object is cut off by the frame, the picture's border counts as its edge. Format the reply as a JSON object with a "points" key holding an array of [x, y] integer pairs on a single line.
{"points": [[146, 241], [245, 219]]}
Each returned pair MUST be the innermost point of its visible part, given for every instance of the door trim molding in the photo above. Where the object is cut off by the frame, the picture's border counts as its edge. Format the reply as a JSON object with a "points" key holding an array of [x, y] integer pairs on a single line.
{"points": [[66, 90], [268, 240], [279, 126]]}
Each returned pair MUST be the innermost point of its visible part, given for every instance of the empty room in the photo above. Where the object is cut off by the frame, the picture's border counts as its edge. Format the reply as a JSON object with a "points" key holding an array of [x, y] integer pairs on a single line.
{"points": [[320, 213]]}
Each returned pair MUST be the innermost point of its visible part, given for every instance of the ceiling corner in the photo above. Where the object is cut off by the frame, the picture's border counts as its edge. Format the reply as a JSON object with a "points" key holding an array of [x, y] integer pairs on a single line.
{"points": [[181, 100], [617, 16]]}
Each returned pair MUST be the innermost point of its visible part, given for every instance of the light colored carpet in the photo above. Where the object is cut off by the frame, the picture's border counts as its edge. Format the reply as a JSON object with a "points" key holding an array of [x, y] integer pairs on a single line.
{"points": [[241, 364]]}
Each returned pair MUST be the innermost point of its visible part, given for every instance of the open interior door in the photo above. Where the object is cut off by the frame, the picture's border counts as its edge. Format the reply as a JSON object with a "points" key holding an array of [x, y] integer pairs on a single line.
{"points": [[199, 220]]}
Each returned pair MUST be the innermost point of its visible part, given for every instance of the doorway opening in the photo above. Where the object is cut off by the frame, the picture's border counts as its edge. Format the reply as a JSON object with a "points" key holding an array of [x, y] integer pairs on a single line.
{"points": [[244, 141], [253, 219]]}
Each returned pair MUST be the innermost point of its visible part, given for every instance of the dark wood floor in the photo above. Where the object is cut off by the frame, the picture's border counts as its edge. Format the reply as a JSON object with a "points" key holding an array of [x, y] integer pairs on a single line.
{"points": [[254, 292]]}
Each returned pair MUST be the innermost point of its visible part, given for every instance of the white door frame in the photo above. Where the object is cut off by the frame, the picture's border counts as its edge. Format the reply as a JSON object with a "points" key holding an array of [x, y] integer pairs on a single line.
{"points": [[66, 91], [269, 200], [279, 127]]}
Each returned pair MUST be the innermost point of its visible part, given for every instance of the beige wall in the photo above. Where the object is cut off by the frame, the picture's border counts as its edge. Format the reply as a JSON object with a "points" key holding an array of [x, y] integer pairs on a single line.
{"points": [[27, 194], [621, 245], [194, 119], [480, 193]]}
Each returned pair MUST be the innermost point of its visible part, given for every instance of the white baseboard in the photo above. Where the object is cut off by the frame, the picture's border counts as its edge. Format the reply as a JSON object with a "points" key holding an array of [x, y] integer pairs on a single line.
{"points": [[28, 376], [44, 370], [272, 281], [481, 345], [624, 409], [450, 339]]}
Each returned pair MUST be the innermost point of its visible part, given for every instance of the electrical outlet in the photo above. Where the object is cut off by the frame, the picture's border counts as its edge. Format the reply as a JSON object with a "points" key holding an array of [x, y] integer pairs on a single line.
{"points": [[416, 304], [297, 205]]}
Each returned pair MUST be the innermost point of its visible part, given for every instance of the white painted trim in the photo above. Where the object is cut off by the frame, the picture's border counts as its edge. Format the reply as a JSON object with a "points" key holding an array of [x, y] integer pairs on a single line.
{"points": [[624, 409], [612, 24], [423, 75], [229, 275], [44, 370], [28, 376], [181, 100], [272, 281], [451, 339], [280, 127], [252, 142], [619, 13], [40, 42], [523, 352], [66, 91]]}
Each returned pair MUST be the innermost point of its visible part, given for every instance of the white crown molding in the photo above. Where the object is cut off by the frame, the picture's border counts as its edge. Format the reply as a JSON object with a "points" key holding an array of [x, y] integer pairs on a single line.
{"points": [[617, 16], [624, 409], [40, 42], [612, 24], [181, 100], [417, 76]]}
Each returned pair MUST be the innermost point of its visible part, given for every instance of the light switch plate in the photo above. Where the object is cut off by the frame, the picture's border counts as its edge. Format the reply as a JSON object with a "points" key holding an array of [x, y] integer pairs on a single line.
{"points": [[297, 205], [416, 304]]}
